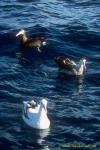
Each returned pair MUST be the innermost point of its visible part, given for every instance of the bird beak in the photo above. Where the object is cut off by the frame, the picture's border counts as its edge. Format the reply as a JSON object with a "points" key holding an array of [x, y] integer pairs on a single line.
{"points": [[18, 34]]}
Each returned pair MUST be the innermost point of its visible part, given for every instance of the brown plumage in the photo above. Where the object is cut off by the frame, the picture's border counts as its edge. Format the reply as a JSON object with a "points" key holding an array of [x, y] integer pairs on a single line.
{"points": [[35, 42], [70, 66]]}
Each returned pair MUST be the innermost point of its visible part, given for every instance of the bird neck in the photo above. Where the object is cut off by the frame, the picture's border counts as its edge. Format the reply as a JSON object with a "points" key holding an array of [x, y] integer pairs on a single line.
{"points": [[24, 38], [80, 68], [42, 111]]}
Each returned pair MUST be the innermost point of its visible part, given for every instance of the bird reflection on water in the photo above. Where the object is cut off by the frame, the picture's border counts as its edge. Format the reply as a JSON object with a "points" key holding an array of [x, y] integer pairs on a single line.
{"points": [[37, 138], [69, 83], [42, 134]]}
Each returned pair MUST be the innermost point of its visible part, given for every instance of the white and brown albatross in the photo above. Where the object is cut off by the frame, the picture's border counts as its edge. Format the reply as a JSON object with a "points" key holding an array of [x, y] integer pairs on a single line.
{"points": [[32, 42], [69, 66]]}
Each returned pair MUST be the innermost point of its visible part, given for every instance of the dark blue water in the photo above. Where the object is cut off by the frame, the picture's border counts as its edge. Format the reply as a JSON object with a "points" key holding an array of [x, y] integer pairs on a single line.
{"points": [[73, 29]]}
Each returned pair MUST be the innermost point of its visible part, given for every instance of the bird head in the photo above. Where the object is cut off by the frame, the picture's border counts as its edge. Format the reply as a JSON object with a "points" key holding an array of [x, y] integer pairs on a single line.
{"points": [[84, 62], [21, 32], [60, 59]]}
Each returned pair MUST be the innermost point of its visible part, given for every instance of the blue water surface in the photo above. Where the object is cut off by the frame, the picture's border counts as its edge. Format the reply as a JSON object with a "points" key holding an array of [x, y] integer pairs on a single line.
{"points": [[73, 29]]}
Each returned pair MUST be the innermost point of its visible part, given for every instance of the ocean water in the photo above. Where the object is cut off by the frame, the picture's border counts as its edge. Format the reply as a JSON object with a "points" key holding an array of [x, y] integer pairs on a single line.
{"points": [[73, 29]]}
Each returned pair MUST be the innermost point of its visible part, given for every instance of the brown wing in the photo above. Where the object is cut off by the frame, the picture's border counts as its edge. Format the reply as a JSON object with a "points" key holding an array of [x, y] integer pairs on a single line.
{"points": [[65, 63], [70, 64], [60, 60], [33, 42]]}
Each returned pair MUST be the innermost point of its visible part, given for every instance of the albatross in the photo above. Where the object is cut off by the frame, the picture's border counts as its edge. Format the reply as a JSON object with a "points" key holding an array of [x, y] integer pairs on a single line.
{"points": [[71, 66], [32, 42], [36, 116]]}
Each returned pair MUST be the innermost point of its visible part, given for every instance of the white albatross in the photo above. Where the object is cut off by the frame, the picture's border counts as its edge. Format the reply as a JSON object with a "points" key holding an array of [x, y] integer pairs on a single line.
{"points": [[36, 117], [69, 66]]}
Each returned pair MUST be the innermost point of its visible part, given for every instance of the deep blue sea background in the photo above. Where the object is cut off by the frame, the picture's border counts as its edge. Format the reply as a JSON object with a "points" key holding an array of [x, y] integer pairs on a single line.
{"points": [[73, 29]]}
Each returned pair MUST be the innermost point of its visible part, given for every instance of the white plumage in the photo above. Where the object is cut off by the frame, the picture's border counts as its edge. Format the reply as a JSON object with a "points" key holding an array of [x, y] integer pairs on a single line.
{"points": [[36, 117]]}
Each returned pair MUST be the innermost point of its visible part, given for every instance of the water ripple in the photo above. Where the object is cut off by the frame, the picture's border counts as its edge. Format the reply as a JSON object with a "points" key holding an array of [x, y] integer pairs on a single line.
{"points": [[72, 28]]}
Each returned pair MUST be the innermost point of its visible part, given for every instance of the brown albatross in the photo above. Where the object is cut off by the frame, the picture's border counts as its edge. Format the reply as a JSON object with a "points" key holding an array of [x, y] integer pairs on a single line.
{"points": [[70, 66], [36, 42]]}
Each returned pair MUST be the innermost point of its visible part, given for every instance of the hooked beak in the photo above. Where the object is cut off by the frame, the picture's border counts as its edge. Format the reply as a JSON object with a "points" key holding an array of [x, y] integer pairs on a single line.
{"points": [[21, 32], [18, 34]]}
